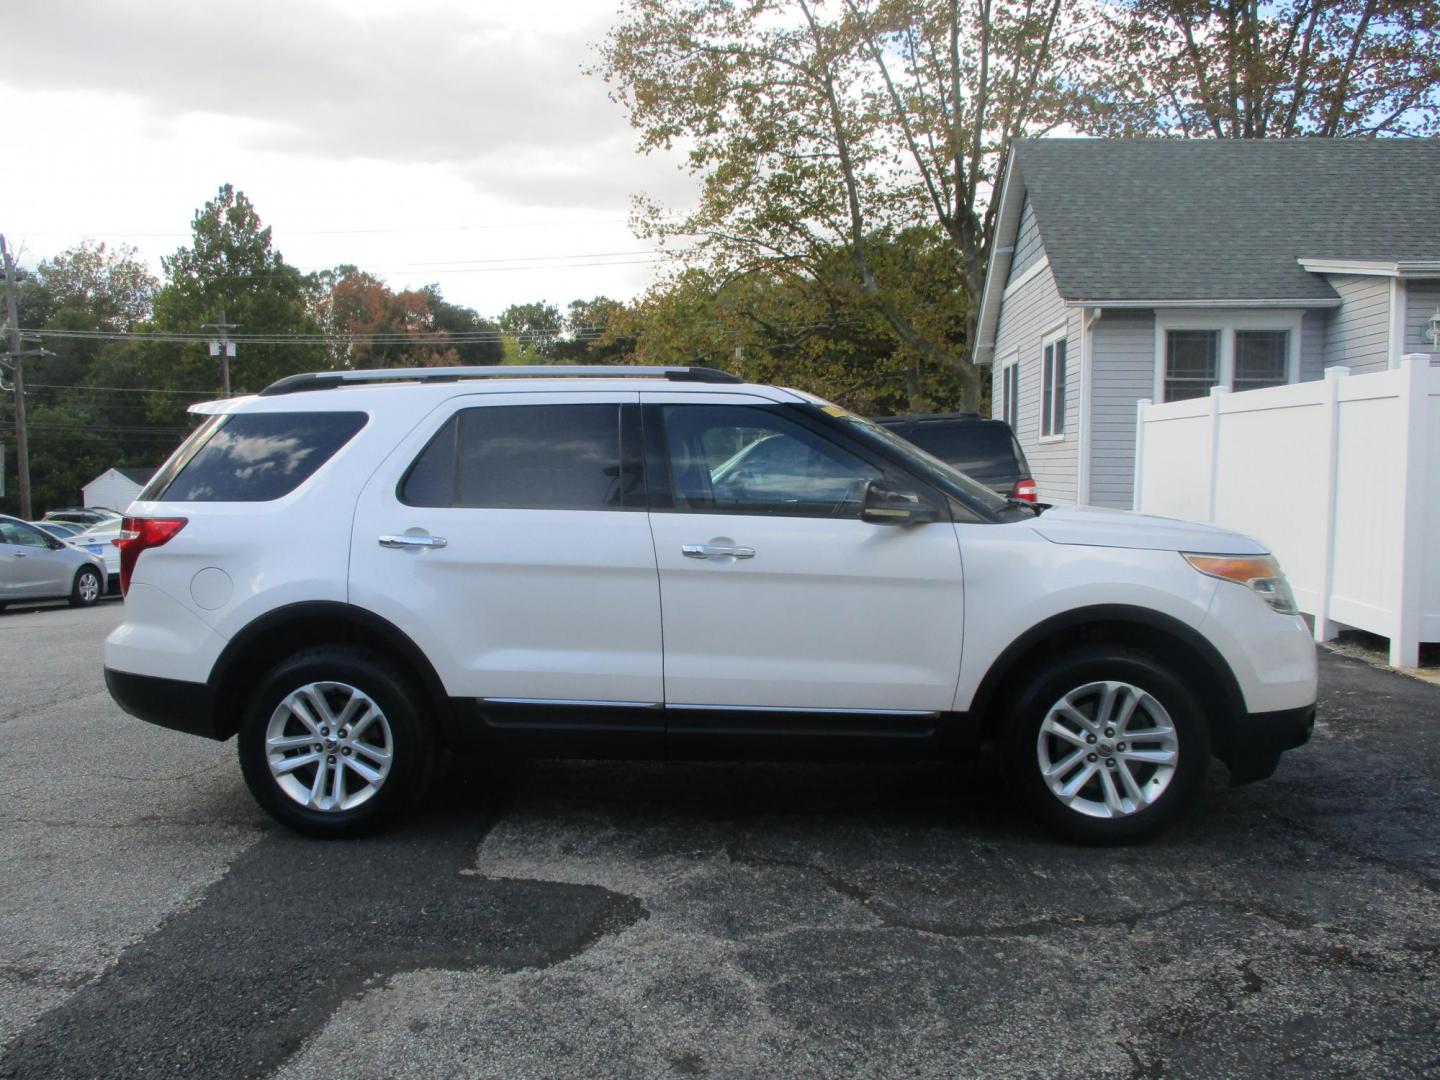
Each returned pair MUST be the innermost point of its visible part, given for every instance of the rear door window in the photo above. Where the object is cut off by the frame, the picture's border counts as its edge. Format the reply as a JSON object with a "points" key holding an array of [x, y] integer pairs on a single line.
{"points": [[253, 457], [525, 457]]}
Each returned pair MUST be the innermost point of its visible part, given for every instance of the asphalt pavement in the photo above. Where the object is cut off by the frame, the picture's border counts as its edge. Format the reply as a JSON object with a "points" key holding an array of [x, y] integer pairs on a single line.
{"points": [[652, 920]]}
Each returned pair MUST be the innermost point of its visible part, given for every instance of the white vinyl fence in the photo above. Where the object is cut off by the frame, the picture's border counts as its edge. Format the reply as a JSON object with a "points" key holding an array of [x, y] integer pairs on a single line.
{"points": [[1340, 478]]}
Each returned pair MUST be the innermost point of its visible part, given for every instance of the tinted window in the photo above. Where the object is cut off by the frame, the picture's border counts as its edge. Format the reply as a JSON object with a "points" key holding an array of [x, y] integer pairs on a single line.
{"points": [[744, 460], [255, 457], [975, 448], [523, 457]]}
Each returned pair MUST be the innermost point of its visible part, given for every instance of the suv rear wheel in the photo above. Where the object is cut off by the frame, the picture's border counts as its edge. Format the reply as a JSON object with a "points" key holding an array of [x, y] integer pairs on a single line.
{"points": [[334, 742], [1107, 745]]}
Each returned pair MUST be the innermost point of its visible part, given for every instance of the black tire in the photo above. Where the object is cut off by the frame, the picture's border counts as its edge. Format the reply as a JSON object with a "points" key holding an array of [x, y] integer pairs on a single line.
{"points": [[1069, 672], [411, 741], [87, 588]]}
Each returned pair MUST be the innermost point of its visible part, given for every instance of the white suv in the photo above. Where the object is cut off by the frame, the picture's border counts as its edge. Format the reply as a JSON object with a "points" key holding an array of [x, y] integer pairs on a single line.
{"points": [[352, 570]]}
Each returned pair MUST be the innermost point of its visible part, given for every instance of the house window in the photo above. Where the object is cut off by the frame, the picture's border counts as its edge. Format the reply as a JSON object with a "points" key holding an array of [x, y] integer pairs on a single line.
{"points": [[1010, 393], [1261, 358], [1052, 389], [1192, 363]]}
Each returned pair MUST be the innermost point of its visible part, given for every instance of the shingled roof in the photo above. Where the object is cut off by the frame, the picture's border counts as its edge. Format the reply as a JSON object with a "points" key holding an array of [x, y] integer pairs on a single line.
{"points": [[1217, 219]]}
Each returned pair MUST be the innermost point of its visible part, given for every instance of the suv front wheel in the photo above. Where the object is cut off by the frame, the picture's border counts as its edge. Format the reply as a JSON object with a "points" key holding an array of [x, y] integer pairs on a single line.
{"points": [[1107, 745], [334, 743]]}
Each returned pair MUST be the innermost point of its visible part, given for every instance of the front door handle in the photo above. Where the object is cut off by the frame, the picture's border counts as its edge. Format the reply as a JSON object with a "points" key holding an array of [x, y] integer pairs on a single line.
{"points": [[715, 551], [408, 541]]}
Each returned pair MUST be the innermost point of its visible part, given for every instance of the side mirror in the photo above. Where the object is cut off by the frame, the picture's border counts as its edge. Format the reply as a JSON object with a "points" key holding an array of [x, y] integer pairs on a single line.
{"points": [[886, 505]]}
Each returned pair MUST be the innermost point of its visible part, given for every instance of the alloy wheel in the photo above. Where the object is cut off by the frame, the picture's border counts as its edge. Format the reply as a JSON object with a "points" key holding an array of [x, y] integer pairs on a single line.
{"points": [[1107, 749], [329, 746]]}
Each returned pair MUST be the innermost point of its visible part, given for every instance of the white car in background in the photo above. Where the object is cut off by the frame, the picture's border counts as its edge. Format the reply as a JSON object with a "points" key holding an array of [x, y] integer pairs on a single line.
{"points": [[101, 541]]}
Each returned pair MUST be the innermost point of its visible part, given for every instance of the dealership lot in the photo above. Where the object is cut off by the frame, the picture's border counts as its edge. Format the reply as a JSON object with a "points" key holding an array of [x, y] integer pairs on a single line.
{"points": [[693, 920]]}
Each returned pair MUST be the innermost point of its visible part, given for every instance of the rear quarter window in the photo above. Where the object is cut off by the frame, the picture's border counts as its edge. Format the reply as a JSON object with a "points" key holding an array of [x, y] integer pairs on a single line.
{"points": [[253, 457]]}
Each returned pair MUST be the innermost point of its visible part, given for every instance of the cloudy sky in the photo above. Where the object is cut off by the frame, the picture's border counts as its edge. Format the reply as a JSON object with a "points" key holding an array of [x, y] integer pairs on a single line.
{"points": [[426, 141]]}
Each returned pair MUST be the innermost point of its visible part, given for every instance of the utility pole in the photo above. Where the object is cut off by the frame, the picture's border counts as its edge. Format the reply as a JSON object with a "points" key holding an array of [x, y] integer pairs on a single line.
{"points": [[224, 348], [17, 359]]}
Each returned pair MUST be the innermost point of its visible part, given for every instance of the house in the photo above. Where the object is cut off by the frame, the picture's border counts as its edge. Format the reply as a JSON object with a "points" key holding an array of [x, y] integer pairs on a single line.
{"points": [[1127, 269], [117, 488]]}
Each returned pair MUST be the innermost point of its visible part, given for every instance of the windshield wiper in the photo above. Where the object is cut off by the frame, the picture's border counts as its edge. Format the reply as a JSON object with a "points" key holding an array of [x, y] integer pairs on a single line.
{"points": [[1035, 508]]}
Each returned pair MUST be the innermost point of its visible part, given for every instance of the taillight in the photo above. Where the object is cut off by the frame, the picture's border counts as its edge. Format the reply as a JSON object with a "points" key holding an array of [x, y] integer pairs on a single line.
{"points": [[1025, 489], [136, 535]]}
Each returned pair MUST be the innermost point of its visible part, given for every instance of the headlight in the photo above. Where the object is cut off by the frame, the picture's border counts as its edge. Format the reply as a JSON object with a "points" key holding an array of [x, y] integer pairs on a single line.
{"points": [[1259, 573]]}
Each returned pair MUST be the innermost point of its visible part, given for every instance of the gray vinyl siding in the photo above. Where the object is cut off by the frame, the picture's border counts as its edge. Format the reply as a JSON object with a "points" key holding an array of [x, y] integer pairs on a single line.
{"points": [[1122, 345], [1028, 248], [1030, 314], [1422, 298], [1359, 330], [1312, 344]]}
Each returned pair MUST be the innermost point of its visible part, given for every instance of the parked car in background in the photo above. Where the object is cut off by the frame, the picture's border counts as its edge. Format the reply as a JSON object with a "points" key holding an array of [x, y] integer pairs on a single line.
{"points": [[983, 449], [101, 541], [61, 530], [86, 517], [36, 566]]}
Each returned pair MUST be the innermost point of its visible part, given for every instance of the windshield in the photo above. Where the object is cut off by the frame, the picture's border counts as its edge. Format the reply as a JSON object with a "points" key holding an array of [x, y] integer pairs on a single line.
{"points": [[945, 476]]}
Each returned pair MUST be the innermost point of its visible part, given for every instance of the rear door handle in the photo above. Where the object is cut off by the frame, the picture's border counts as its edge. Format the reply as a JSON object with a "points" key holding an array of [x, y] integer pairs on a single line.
{"points": [[412, 541], [715, 551]]}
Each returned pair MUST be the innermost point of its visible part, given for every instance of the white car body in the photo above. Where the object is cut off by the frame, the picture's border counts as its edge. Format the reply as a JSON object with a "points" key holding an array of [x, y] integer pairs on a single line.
{"points": [[590, 609]]}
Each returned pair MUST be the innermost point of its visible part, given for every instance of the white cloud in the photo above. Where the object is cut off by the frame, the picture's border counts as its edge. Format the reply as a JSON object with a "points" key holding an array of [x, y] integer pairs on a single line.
{"points": [[364, 132]]}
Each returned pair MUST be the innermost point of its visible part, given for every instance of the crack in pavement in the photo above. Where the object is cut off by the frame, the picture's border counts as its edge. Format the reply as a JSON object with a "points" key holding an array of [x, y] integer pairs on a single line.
{"points": [[892, 917]]}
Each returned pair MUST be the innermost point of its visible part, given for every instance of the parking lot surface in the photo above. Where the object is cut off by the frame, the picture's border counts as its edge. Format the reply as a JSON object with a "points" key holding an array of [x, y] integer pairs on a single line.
{"points": [[562, 919]]}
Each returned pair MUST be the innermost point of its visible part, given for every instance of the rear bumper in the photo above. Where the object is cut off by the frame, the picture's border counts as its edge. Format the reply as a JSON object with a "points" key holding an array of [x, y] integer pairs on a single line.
{"points": [[1253, 745], [170, 703]]}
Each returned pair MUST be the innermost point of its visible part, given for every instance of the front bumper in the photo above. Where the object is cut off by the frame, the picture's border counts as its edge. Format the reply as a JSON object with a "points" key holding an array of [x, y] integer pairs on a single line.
{"points": [[1251, 748], [170, 703]]}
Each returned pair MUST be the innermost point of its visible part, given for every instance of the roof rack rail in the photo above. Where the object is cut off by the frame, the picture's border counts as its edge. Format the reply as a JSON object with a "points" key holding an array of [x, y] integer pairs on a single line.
{"points": [[328, 380]]}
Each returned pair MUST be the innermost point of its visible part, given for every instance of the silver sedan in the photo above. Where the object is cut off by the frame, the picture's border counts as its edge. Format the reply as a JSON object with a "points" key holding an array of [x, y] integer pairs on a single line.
{"points": [[36, 566]]}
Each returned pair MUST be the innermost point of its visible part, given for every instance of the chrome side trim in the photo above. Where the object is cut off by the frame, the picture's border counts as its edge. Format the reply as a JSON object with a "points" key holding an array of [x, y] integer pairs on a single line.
{"points": [[570, 701], [804, 709]]}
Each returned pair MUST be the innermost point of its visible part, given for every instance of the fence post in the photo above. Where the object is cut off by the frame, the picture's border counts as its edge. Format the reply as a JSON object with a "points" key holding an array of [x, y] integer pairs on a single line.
{"points": [[1217, 393], [1324, 628], [1408, 600], [1140, 407]]}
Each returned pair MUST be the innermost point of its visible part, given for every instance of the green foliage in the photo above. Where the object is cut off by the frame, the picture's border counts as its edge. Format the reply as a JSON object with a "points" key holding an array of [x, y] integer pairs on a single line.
{"points": [[230, 269], [1238, 69], [535, 328]]}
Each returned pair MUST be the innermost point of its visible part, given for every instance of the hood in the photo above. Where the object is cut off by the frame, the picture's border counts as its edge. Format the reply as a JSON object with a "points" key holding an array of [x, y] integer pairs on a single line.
{"points": [[1093, 527]]}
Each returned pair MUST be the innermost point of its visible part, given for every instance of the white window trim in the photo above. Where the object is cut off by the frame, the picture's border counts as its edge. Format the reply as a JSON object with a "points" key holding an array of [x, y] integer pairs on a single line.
{"points": [[1225, 323], [1060, 333]]}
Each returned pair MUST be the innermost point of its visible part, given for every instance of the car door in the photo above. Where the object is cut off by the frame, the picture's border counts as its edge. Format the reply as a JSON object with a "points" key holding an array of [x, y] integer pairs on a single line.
{"points": [[507, 536], [775, 595], [32, 566]]}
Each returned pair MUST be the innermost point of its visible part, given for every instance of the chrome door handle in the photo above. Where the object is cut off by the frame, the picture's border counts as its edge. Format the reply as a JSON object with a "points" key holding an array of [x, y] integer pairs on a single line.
{"points": [[715, 551], [412, 541]]}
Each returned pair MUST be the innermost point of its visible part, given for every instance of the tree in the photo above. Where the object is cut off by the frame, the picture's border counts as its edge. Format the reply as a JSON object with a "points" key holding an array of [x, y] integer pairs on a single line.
{"points": [[535, 327], [474, 340], [818, 332], [1242, 69], [586, 337], [230, 267], [78, 431], [818, 125]]}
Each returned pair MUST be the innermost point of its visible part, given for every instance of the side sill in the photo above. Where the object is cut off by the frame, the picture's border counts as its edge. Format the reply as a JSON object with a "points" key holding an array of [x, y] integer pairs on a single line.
{"points": [[168, 703]]}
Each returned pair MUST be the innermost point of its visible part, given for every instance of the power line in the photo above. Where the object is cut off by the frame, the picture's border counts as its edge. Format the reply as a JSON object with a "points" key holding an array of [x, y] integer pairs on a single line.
{"points": [[349, 232], [115, 389]]}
